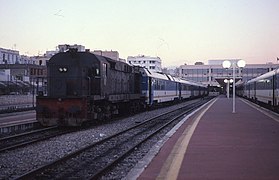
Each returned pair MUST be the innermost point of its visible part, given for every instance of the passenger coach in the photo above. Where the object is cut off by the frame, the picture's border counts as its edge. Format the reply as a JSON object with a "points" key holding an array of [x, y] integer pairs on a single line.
{"points": [[159, 88], [263, 89]]}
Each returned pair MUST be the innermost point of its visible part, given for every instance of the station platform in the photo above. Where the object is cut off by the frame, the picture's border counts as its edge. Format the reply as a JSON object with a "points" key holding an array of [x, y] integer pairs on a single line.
{"points": [[17, 121], [215, 143]]}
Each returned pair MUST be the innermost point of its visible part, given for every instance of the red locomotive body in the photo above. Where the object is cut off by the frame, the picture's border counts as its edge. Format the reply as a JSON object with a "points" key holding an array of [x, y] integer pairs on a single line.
{"points": [[61, 111]]}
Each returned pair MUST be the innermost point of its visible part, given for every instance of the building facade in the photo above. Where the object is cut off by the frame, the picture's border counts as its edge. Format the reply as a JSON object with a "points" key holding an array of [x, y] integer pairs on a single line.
{"points": [[151, 63], [27, 60], [214, 74], [8, 56], [66, 47]]}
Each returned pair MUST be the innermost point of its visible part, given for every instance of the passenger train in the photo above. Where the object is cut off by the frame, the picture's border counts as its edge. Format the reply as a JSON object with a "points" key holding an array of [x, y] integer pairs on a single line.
{"points": [[263, 89], [86, 87]]}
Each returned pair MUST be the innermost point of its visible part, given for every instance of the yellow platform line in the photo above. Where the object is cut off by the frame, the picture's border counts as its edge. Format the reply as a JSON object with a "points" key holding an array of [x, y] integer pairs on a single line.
{"points": [[266, 112], [173, 163]]}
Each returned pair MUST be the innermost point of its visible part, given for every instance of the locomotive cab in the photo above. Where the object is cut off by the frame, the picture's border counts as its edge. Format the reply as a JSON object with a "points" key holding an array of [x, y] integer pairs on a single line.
{"points": [[72, 77]]}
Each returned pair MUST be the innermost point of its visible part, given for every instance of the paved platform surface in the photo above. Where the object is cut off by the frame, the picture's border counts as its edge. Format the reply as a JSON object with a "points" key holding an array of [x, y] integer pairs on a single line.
{"points": [[17, 122], [17, 118], [215, 143]]}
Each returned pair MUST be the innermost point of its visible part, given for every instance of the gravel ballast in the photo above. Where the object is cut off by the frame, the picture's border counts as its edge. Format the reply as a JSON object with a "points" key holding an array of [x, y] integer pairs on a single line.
{"points": [[17, 162]]}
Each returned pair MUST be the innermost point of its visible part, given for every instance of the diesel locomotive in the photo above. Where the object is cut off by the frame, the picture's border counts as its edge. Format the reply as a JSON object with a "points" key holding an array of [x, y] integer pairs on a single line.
{"points": [[82, 86]]}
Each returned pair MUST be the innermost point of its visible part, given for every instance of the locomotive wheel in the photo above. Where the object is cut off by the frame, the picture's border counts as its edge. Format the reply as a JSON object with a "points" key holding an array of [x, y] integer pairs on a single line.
{"points": [[134, 107], [138, 107], [100, 114], [107, 113]]}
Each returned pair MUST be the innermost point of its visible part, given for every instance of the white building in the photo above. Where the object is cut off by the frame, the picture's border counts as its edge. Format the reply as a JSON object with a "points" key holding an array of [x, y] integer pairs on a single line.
{"points": [[41, 60], [5, 74], [27, 60], [151, 63], [50, 53], [214, 74], [65, 47], [8, 56]]}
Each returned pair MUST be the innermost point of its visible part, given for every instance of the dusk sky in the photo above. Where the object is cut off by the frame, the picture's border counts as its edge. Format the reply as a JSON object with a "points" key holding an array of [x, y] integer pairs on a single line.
{"points": [[178, 31]]}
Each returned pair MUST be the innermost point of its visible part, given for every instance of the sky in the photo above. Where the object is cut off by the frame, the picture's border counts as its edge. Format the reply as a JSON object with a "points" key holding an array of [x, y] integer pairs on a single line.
{"points": [[177, 31]]}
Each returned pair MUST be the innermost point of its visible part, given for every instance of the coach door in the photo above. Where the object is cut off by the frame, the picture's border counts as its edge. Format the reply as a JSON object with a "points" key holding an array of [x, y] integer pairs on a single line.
{"points": [[104, 73], [96, 81], [179, 89], [249, 89], [274, 85], [150, 95], [254, 91]]}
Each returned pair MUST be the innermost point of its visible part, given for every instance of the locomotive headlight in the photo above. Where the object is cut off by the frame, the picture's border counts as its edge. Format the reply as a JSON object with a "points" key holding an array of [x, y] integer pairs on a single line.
{"points": [[63, 69]]}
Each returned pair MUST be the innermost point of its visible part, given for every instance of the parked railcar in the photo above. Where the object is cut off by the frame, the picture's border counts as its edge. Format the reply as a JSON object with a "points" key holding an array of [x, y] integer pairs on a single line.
{"points": [[184, 89], [239, 89], [160, 88], [263, 89]]}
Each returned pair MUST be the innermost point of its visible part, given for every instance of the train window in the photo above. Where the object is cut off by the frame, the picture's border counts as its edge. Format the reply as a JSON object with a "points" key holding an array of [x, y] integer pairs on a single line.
{"points": [[270, 82], [112, 65], [93, 72], [97, 71], [163, 86]]}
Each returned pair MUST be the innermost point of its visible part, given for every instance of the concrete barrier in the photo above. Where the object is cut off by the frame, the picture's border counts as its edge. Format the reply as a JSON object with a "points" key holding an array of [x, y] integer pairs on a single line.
{"points": [[16, 99]]}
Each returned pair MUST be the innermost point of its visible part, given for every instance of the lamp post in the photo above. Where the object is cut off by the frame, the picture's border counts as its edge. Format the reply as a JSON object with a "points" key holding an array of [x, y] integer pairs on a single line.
{"points": [[228, 86], [228, 64]]}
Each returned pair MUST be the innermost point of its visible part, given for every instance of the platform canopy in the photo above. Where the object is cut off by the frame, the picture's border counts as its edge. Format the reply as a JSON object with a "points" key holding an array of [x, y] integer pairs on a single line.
{"points": [[220, 80]]}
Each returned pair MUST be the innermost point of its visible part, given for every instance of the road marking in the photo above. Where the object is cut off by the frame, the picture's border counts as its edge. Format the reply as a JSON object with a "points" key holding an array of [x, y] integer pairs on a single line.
{"points": [[173, 163]]}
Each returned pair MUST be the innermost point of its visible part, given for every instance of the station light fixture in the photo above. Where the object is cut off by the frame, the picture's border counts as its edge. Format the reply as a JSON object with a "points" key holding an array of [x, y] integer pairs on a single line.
{"points": [[227, 64]]}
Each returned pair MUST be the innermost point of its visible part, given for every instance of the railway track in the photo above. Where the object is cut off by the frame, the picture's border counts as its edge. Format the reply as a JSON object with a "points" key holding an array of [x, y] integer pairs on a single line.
{"points": [[24, 139], [97, 159]]}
